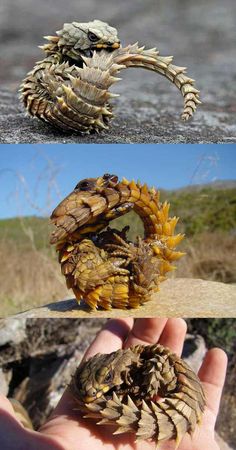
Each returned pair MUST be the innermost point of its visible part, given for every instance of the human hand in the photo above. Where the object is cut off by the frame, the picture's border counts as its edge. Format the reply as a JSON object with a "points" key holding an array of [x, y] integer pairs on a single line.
{"points": [[66, 430]]}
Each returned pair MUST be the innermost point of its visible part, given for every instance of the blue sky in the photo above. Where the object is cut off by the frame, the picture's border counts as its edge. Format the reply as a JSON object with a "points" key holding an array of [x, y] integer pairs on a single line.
{"points": [[35, 177]]}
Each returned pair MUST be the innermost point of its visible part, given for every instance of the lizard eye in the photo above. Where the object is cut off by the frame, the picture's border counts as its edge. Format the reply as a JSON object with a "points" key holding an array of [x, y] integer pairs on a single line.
{"points": [[83, 185], [92, 37], [106, 176], [108, 377]]}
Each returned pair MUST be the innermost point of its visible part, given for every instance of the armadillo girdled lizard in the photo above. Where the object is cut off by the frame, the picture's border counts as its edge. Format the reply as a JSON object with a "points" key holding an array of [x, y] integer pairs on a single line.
{"points": [[70, 87], [146, 390], [100, 264]]}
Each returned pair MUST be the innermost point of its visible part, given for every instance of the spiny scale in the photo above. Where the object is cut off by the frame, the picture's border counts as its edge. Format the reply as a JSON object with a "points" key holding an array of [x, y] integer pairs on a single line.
{"points": [[153, 372], [71, 90], [101, 266]]}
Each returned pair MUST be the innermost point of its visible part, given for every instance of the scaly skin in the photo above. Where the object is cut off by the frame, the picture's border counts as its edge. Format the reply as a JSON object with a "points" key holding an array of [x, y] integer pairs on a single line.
{"points": [[70, 87], [103, 267], [146, 390]]}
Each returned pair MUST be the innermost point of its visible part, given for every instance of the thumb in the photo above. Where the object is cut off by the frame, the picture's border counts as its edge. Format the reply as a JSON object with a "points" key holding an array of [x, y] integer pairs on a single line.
{"points": [[11, 431], [5, 405], [14, 436]]}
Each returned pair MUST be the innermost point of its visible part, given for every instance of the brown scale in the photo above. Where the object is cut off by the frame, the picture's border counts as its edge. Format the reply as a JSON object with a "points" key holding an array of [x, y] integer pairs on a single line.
{"points": [[102, 267], [146, 390]]}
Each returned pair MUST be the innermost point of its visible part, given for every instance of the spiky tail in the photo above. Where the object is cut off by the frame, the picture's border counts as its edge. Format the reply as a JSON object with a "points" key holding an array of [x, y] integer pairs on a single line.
{"points": [[135, 56]]}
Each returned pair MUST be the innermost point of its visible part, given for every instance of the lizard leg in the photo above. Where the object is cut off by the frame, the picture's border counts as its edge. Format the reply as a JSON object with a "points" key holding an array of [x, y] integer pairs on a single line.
{"points": [[119, 211]]}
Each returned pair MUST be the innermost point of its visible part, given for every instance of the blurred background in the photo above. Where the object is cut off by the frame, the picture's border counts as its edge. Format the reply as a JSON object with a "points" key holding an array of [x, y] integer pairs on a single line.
{"points": [[201, 35], [199, 181]]}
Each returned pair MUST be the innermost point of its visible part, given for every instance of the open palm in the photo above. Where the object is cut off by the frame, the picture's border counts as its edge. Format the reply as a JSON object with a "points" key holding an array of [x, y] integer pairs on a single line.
{"points": [[67, 430]]}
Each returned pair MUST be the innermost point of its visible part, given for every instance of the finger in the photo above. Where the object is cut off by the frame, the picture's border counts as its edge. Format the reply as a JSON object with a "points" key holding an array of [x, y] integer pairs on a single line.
{"points": [[212, 373], [173, 335], [6, 406], [111, 337], [145, 331], [15, 435]]}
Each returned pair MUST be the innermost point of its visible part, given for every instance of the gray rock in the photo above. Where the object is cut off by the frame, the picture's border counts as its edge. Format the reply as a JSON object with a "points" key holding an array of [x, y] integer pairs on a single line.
{"points": [[200, 35], [42, 364], [13, 331], [5, 378], [194, 351]]}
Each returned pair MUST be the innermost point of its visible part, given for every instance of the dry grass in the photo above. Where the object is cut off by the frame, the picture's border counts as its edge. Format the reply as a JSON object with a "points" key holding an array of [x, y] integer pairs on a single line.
{"points": [[210, 256], [30, 277]]}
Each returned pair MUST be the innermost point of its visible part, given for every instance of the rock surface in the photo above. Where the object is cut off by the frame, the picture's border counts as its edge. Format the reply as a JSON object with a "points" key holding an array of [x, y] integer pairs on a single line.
{"points": [[14, 333], [180, 297], [37, 369], [200, 35], [194, 351], [223, 445]]}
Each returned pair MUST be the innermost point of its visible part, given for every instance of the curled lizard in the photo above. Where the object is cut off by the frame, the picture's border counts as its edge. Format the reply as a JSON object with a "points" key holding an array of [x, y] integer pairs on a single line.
{"points": [[145, 390], [69, 88], [100, 264]]}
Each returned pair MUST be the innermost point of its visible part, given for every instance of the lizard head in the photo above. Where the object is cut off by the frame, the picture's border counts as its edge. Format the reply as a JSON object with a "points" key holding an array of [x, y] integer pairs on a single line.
{"points": [[101, 374], [76, 40], [95, 184], [76, 210]]}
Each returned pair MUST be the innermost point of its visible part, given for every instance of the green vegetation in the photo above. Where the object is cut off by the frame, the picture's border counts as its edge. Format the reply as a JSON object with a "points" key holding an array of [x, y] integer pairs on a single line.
{"points": [[217, 332], [207, 209], [26, 232]]}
